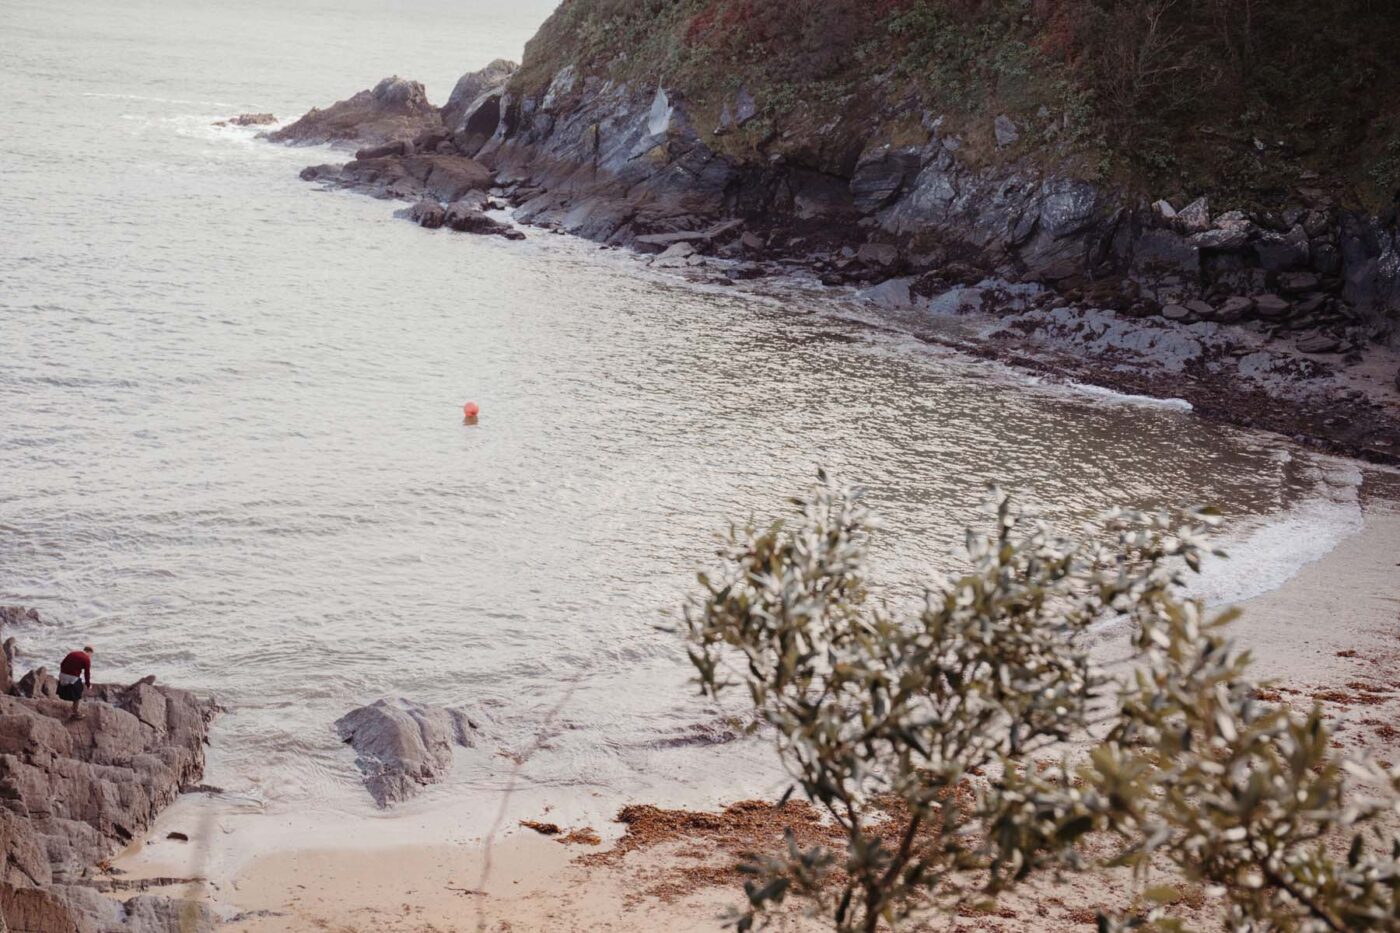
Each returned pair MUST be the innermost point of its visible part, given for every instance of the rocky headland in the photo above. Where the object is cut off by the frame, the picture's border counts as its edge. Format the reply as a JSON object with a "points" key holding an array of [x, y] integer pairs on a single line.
{"points": [[75, 792], [1266, 296]]}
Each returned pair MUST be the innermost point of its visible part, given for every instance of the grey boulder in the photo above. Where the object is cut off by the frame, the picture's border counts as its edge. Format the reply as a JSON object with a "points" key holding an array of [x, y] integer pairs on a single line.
{"points": [[402, 746]]}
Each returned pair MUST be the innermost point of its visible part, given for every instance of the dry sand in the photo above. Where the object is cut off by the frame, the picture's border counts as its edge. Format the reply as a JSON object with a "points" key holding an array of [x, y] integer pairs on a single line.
{"points": [[1330, 634]]}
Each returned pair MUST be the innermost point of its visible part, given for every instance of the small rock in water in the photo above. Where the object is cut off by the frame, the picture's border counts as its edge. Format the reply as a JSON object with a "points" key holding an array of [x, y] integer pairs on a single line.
{"points": [[248, 119], [427, 213]]}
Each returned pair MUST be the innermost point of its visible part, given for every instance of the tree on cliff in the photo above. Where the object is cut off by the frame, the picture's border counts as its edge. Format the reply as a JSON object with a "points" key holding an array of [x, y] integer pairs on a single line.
{"points": [[920, 738]]}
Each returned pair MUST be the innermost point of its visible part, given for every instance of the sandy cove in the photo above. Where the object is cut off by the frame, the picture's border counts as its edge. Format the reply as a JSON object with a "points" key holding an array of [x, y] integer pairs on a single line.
{"points": [[1331, 633]]}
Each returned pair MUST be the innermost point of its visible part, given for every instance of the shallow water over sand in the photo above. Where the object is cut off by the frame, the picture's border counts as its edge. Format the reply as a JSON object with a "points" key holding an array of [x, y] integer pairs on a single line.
{"points": [[232, 449]]}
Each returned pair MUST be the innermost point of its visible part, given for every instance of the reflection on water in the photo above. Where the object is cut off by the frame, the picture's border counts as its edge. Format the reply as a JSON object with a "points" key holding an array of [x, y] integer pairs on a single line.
{"points": [[234, 456]]}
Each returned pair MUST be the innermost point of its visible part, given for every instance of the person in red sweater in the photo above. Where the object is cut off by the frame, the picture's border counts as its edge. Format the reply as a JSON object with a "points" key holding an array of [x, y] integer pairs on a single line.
{"points": [[75, 676]]}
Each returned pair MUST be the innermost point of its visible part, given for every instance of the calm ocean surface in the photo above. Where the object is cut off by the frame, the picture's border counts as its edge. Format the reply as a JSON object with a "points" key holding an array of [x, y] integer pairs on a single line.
{"points": [[231, 450]]}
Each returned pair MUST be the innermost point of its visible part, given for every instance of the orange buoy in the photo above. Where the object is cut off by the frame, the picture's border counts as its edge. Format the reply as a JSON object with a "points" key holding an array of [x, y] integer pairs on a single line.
{"points": [[470, 411]]}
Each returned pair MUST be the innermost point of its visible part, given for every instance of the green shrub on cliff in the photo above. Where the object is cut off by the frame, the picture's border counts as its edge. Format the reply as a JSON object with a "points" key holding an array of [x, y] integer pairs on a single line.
{"points": [[918, 737]]}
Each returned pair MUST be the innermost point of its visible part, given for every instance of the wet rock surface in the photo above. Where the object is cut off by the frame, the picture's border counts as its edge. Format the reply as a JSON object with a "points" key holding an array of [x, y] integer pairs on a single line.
{"points": [[248, 119], [402, 746], [73, 792]]}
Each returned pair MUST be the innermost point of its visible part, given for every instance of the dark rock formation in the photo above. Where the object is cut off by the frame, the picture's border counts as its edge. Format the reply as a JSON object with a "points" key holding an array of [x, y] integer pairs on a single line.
{"points": [[402, 746], [409, 178], [395, 109], [473, 110], [248, 119], [466, 216], [11, 616], [74, 792], [878, 194], [425, 213]]}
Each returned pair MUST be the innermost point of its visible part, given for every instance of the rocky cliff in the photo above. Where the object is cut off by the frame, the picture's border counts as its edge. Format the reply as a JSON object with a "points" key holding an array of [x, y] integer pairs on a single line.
{"points": [[75, 792], [972, 157], [883, 127]]}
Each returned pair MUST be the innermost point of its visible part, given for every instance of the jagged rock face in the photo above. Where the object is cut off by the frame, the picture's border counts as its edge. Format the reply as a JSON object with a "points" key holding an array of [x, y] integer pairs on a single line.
{"points": [[616, 162], [73, 792], [882, 175], [613, 162], [395, 109], [89, 786], [1370, 263], [470, 88], [402, 746]]}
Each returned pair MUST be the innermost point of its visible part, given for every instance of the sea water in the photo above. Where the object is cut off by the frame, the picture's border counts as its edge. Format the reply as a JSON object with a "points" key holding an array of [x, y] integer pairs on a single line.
{"points": [[232, 452]]}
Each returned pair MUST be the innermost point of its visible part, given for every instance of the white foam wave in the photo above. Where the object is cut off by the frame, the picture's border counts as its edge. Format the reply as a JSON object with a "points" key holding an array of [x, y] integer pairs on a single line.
{"points": [[1263, 558], [1148, 401]]}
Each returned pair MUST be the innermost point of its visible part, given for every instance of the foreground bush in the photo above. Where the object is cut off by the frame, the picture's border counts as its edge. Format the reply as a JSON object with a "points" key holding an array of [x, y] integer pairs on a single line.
{"points": [[918, 736]]}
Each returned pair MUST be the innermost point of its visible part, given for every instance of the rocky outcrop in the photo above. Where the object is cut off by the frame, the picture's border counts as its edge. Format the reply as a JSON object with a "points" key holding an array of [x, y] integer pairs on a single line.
{"points": [[394, 109], [623, 163], [635, 164], [446, 186], [402, 746], [248, 119], [444, 178], [74, 792], [476, 90], [617, 163]]}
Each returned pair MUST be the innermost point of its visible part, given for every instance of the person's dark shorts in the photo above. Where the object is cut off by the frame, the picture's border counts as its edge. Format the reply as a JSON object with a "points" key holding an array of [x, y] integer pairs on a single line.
{"points": [[71, 692]]}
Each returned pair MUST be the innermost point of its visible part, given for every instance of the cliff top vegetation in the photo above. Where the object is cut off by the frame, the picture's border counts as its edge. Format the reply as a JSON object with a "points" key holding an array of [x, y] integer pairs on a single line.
{"points": [[1240, 99]]}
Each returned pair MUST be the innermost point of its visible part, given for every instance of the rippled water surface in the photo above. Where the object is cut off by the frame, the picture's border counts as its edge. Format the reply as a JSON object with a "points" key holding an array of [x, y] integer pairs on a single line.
{"points": [[231, 450]]}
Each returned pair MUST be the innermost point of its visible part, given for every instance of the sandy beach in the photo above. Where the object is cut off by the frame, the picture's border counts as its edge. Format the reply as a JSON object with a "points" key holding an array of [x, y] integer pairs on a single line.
{"points": [[1328, 635]]}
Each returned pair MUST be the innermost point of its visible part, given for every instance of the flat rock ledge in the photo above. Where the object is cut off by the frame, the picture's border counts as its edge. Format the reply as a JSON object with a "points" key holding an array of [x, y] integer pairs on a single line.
{"points": [[402, 746], [75, 792]]}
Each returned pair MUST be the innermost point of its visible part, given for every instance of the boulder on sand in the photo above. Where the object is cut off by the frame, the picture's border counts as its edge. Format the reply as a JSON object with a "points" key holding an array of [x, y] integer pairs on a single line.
{"points": [[395, 109], [402, 746]]}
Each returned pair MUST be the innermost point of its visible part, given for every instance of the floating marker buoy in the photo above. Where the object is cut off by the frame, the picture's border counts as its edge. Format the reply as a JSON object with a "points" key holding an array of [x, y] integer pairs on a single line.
{"points": [[470, 411]]}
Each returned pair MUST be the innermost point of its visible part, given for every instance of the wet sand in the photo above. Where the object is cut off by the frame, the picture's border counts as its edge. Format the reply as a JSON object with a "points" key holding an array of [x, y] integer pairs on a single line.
{"points": [[1330, 634]]}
